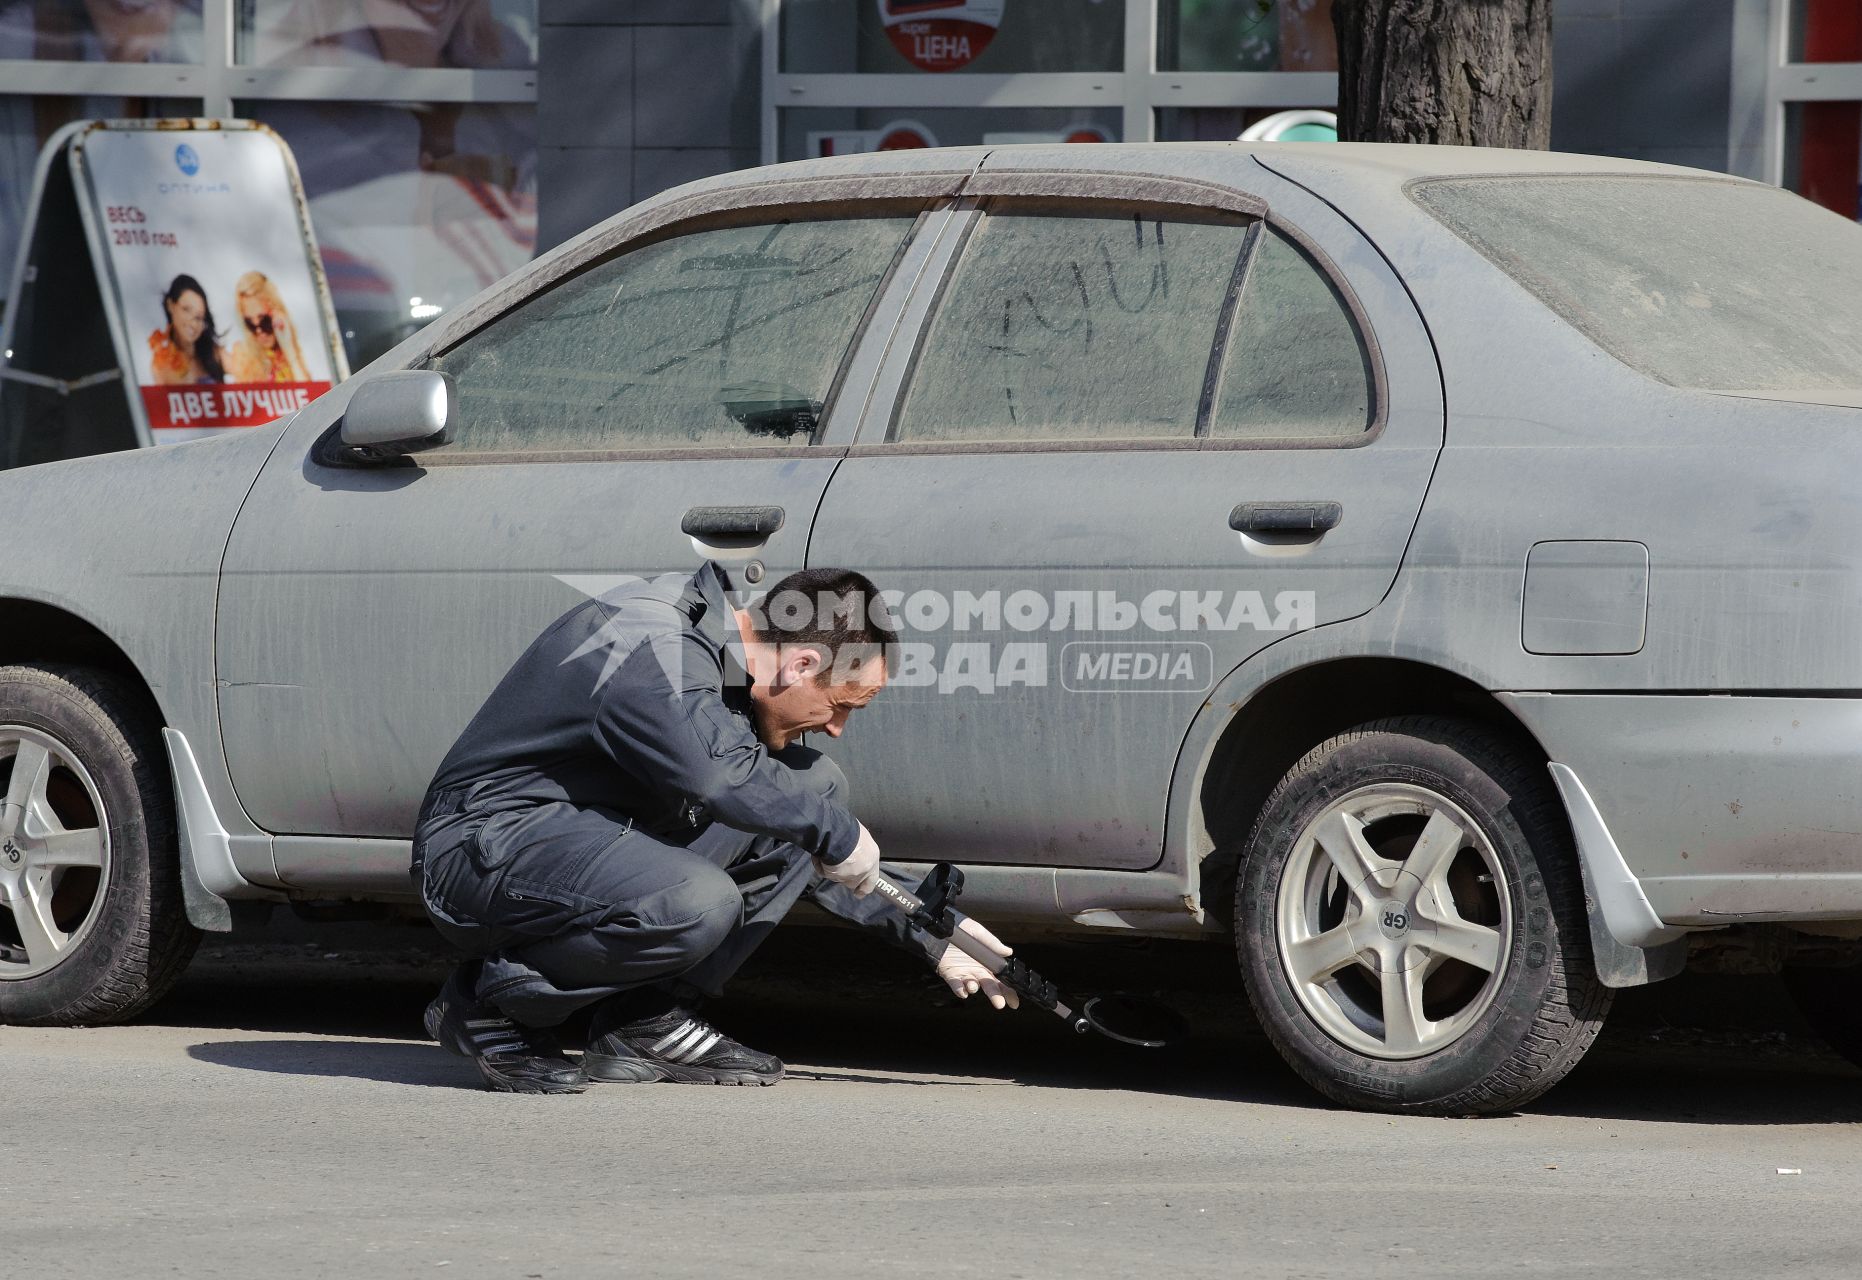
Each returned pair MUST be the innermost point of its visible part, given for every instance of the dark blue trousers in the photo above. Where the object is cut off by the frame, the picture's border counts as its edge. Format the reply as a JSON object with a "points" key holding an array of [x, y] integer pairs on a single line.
{"points": [[565, 906]]}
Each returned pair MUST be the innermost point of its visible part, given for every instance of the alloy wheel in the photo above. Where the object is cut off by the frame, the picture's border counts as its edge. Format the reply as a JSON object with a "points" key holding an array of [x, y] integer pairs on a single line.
{"points": [[54, 852], [1393, 921]]}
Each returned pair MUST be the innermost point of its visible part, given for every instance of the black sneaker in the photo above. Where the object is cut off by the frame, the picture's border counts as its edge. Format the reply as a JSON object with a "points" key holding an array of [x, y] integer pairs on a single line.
{"points": [[678, 1046], [511, 1057]]}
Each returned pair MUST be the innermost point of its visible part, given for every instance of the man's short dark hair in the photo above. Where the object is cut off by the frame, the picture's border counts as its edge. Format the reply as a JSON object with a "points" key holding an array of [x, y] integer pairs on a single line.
{"points": [[837, 611]]}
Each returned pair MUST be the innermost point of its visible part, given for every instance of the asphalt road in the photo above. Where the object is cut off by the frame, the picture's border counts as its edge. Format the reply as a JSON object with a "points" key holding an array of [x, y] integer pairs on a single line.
{"points": [[279, 1117]]}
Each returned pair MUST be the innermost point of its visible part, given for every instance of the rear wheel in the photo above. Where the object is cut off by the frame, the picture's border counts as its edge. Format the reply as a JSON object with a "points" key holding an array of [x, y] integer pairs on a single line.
{"points": [[92, 925], [1411, 925]]}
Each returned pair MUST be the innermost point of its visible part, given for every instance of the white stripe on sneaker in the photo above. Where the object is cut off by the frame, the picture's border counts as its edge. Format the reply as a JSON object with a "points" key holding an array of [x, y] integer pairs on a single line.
{"points": [[679, 1051], [701, 1049], [677, 1033]]}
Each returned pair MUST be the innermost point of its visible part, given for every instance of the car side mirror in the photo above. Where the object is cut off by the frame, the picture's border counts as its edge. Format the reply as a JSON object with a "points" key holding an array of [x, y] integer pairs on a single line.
{"points": [[399, 412]]}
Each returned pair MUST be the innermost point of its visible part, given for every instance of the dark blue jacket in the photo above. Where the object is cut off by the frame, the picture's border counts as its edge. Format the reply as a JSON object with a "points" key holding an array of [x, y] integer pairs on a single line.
{"points": [[634, 704]]}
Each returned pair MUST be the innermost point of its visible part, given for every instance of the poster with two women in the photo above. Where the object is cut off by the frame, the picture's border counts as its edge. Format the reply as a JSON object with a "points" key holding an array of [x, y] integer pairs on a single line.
{"points": [[220, 300]]}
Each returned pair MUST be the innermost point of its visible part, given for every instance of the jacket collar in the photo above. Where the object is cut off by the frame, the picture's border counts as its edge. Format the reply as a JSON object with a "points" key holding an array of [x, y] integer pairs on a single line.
{"points": [[707, 602]]}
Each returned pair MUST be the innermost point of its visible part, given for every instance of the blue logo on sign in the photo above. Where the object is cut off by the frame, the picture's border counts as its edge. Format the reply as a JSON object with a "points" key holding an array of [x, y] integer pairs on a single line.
{"points": [[186, 160]]}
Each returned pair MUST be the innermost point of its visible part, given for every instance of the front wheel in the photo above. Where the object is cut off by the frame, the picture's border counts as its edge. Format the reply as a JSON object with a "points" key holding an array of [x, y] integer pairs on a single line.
{"points": [[92, 925], [1411, 925]]}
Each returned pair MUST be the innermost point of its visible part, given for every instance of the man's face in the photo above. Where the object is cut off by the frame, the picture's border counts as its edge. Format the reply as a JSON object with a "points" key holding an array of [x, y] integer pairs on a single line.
{"points": [[800, 700]]}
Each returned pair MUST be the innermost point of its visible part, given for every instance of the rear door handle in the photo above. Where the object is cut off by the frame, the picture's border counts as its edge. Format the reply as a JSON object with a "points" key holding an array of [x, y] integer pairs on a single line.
{"points": [[1285, 517], [731, 522]]}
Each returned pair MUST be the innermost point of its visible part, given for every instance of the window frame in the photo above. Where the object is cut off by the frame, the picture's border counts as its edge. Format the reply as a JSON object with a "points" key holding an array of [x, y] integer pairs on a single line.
{"points": [[671, 220], [1162, 194]]}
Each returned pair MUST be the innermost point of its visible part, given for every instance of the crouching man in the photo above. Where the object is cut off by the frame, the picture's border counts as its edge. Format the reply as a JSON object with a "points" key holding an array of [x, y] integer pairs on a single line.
{"points": [[631, 813]]}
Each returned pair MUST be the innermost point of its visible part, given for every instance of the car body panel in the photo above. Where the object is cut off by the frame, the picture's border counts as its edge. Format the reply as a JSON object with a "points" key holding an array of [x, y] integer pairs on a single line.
{"points": [[1725, 808], [362, 620], [131, 543], [1001, 519]]}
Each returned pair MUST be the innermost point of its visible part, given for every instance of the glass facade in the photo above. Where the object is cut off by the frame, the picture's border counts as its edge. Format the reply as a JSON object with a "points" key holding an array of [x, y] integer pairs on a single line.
{"points": [[167, 31], [980, 37], [1825, 31], [828, 131], [1822, 158], [1211, 124], [417, 206], [471, 34], [1246, 35], [1823, 154], [902, 73]]}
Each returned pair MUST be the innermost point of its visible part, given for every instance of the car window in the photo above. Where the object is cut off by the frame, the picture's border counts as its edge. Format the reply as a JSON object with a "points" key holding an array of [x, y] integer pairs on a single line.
{"points": [[719, 338], [1062, 325], [1715, 284], [1296, 366]]}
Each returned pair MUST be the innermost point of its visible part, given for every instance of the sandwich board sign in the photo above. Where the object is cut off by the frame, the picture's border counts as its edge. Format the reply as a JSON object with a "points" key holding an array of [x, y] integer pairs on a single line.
{"points": [[167, 287]]}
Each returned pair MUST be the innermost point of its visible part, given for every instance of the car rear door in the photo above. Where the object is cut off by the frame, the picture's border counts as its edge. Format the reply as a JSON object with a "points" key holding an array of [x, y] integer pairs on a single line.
{"points": [[1147, 427], [605, 420]]}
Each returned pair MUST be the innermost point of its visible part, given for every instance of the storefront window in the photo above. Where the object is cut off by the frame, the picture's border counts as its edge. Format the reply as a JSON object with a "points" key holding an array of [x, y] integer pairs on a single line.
{"points": [[477, 34], [416, 207], [1212, 124], [1823, 154], [829, 131], [984, 37], [100, 30], [26, 125], [1826, 31], [1246, 35]]}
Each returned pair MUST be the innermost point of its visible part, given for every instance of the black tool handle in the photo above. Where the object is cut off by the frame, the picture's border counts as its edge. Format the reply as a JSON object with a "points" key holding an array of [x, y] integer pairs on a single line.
{"points": [[1014, 974]]}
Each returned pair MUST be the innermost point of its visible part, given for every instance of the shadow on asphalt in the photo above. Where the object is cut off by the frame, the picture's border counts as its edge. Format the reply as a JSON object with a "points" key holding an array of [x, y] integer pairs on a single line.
{"points": [[389, 1061], [1696, 1050]]}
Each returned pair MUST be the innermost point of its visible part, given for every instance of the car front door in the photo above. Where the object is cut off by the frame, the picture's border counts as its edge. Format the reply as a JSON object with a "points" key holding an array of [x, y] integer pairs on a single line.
{"points": [[615, 423], [1141, 435]]}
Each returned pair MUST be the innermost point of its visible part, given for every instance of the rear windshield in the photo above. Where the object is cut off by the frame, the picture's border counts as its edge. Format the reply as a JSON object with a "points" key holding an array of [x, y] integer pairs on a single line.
{"points": [[1705, 283]]}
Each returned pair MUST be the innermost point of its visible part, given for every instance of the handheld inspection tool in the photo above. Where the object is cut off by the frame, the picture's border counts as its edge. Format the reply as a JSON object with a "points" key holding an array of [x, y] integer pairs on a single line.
{"points": [[1123, 1018]]}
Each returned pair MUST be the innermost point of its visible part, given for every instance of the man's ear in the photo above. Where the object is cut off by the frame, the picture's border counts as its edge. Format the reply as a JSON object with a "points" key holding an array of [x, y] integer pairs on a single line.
{"points": [[801, 662]]}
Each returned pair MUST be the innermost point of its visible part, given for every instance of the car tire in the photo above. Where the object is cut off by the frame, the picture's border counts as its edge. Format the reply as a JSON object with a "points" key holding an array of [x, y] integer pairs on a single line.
{"points": [[1371, 984], [1828, 1000], [93, 928]]}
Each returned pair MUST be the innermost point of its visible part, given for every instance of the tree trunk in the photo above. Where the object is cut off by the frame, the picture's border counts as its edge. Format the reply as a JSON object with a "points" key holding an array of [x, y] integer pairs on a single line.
{"points": [[1469, 72]]}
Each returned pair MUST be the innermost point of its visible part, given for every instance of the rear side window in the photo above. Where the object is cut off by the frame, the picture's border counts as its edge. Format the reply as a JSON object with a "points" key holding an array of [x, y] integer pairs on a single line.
{"points": [[1062, 325], [730, 337], [1296, 367], [1704, 283]]}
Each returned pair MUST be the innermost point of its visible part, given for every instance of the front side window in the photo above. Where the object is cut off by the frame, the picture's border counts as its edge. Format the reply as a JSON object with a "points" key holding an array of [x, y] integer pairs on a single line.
{"points": [[1065, 325], [723, 338]]}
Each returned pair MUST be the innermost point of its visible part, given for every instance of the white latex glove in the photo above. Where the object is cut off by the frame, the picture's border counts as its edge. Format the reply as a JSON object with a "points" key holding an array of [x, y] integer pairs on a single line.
{"points": [[966, 977], [859, 870]]}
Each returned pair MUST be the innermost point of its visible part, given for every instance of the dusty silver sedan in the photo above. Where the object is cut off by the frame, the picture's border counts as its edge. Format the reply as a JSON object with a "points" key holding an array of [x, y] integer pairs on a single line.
{"points": [[1436, 573]]}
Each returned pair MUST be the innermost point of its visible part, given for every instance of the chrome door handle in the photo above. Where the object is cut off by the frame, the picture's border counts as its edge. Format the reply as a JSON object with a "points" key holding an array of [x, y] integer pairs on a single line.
{"points": [[731, 522], [1285, 517]]}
